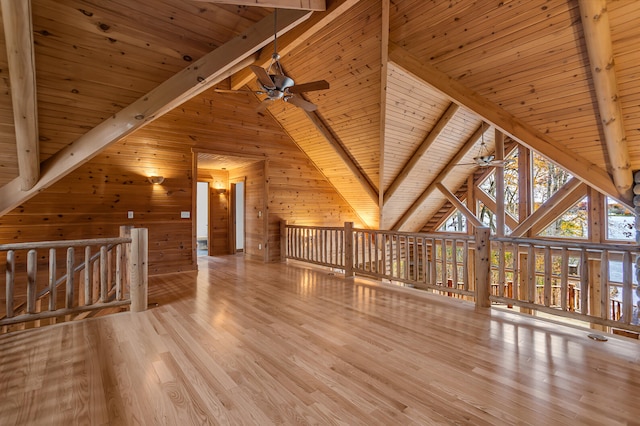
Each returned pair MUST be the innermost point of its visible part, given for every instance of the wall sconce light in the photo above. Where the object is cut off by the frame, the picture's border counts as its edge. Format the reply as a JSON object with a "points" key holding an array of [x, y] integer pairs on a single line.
{"points": [[218, 187], [156, 180]]}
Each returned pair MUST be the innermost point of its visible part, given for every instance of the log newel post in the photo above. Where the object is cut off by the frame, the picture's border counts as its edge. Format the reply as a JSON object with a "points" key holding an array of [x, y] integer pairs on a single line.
{"points": [[10, 281], [283, 241], [483, 267], [348, 249], [138, 269]]}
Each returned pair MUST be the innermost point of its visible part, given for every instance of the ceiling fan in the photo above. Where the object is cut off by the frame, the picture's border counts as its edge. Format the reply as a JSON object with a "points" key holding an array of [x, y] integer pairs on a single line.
{"points": [[484, 158], [276, 85]]}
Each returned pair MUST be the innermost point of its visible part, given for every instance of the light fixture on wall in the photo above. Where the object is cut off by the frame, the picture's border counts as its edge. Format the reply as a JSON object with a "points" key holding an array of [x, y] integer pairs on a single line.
{"points": [[156, 180], [218, 187]]}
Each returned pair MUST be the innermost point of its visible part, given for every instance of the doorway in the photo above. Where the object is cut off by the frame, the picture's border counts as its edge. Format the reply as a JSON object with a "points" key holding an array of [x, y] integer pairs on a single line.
{"points": [[202, 218]]}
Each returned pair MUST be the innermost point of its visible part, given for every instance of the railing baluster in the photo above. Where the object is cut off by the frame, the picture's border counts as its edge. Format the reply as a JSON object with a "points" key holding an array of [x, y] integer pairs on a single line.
{"points": [[119, 272], [69, 290], [531, 270], [465, 262], [454, 263], [516, 270], [604, 284], [434, 260], [443, 258], [87, 276], [104, 289], [547, 276], [374, 248], [564, 279], [52, 279], [584, 282], [10, 275], [32, 269], [415, 259], [501, 272]]}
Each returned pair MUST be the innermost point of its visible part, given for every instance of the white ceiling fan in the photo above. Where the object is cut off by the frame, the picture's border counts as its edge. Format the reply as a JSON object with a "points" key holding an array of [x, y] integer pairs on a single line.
{"points": [[276, 85]]}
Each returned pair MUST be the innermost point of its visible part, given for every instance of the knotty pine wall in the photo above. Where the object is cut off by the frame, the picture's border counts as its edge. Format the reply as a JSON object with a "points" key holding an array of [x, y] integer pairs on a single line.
{"points": [[255, 211], [93, 200]]}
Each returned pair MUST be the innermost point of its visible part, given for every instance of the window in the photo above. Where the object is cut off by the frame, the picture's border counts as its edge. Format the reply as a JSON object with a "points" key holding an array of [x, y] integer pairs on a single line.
{"points": [[620, 221]]}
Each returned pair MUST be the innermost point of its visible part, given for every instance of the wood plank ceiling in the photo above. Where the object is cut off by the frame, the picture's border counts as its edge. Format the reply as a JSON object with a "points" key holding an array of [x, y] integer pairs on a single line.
{"points": [[385, 123]]}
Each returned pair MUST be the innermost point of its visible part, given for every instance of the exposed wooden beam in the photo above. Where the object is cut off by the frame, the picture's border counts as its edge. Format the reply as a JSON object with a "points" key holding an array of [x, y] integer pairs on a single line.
{"points": [[482, 196], [285, 131], [18, 34], [500, 212], [525, 187], [471, 218], [507, 123], [597, 35], [293, 39], [552, 214], [541, 212], [201, 75], [319, 5], [442, 123], [384, 60], [441, 176], [342, 152]]}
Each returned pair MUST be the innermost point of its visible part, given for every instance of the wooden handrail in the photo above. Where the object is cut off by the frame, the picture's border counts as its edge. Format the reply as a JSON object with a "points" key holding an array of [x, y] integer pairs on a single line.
{"points": [[64, 243]]}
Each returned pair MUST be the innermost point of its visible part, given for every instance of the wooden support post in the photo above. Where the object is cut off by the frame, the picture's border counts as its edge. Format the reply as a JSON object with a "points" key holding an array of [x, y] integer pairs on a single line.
{"points": [[499, 175], [348, 249], [595, 292], [18, 33], [10, 275], [483, 267], [523, 294], [138, 269]]}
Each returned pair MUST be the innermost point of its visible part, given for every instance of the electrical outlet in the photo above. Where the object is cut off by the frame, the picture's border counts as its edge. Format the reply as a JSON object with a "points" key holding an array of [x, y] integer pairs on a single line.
{"points": [[185, 215], [130, 214], [259, 246]]}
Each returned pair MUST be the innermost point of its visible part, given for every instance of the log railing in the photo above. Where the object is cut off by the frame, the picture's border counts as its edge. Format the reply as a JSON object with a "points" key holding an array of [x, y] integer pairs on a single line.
{"points": [[440, 262], [79, 276], [584, 281], [556, 277]]}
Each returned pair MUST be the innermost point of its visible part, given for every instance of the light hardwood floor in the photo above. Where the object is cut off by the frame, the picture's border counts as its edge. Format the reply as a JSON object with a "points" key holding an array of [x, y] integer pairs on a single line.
{"points": [[245, 343]]}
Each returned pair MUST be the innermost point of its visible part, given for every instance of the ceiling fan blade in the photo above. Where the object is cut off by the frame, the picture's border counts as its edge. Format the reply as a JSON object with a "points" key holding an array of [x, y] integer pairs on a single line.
{"points": [[263, 77], [301, 103], [233, 91], [309, 87], [264, 105]]}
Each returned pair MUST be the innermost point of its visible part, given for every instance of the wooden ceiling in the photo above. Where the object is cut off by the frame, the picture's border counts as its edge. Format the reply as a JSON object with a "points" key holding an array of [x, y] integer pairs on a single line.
{"points": [[415, 85]]}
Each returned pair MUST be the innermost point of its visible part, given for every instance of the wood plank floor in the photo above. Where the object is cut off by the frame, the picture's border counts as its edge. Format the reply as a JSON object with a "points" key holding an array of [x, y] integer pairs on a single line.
{"points": [[245, 343]]}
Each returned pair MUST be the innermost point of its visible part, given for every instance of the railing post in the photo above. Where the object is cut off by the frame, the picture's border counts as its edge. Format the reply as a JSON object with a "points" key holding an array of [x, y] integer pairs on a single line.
{"points": [[483, 267], [10, 281], [348, 249], [138, 269], [283, 241]]}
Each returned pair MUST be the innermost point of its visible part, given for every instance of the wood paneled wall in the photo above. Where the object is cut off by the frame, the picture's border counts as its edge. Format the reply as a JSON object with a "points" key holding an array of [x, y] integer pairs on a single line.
{"points": [[255, 240], [93, 201]]}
